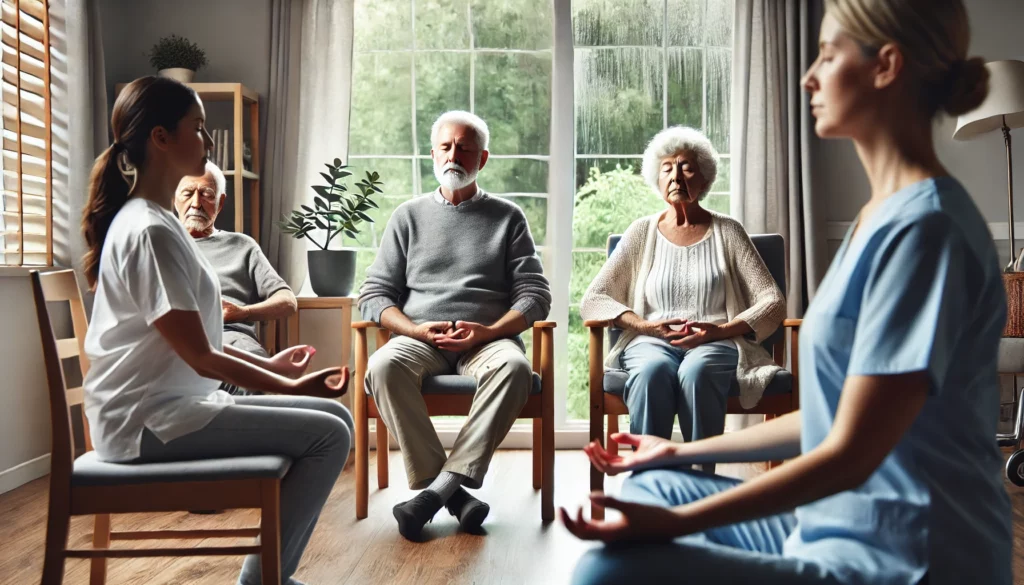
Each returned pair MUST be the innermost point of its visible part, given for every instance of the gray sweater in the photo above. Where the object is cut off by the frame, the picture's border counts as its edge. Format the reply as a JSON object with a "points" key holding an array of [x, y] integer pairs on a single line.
{"points": [[471, 262]]}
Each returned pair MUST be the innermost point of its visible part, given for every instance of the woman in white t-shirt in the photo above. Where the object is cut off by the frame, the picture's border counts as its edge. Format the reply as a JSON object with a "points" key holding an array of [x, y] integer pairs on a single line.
{"points": [[154, 342]]}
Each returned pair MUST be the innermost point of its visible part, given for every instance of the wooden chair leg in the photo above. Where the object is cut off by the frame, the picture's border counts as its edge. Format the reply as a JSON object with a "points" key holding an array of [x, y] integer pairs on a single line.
{"points": [[613, 427], [538, 450], [58, 523], [547, 491], [100, 539], [359, 413], [382, 454], [270, 533]]}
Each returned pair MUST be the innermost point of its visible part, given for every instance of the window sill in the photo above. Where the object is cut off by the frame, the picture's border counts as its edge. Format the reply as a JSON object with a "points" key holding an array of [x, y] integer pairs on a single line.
{"points": [[16, 271]]}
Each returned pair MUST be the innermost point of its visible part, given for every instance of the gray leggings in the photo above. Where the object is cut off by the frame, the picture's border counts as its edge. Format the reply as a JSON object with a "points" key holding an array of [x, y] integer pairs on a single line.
{"points": [[314, 432]]}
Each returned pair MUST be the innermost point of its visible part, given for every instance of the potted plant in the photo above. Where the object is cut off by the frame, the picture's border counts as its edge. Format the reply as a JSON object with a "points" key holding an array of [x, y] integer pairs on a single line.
{"points": [[336, 211], [177, 57]]}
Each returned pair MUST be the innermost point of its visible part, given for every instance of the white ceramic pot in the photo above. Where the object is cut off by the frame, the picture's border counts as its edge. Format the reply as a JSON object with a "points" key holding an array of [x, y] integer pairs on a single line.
{"points": [[178, 73]]}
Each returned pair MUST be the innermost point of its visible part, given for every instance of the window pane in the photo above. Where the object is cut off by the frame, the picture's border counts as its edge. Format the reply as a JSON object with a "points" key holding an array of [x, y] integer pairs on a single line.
{"points": [[618, 99], [383, 24], [442, 84], [396, 175], [719, 64], [686, 23], [381, 120], [536, 211], [607, 203], [512, 24], [614, 22], [586, 166], [578, 392], [585, 266], [719, 203], [722, 184], [685, 87], [719, 18], [442, 24], [501, 175], [513, 94]]}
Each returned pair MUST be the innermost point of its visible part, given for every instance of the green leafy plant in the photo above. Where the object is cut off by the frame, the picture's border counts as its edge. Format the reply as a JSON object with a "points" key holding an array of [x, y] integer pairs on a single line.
{"points": [[174, 51], [336, 210]]}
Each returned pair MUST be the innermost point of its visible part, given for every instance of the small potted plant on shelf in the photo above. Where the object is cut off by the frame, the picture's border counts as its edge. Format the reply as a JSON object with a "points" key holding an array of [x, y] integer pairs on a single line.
{"points": [[177, 57], [336, 211]]}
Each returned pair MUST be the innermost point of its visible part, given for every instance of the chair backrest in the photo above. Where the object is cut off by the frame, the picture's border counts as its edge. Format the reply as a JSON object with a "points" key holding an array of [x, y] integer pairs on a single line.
{"points": [[62, 286], [772, 249]]}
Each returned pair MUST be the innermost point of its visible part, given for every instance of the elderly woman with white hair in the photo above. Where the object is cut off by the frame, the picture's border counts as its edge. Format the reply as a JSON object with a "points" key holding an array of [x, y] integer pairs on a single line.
{"points": [[692, 296]]}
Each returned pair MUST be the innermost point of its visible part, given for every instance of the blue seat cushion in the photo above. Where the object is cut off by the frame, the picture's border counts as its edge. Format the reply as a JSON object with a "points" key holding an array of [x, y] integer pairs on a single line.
{"points": [[782, 383], [89, 470], [454, 384]]}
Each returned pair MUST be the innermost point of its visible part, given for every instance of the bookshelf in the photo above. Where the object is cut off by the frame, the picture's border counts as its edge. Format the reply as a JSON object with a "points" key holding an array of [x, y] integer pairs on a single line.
{"points": [[242, 183]]}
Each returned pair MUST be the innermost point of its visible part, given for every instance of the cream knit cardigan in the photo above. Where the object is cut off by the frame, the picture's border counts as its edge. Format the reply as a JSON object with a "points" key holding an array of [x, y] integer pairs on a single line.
{"points": [[751, 295]]}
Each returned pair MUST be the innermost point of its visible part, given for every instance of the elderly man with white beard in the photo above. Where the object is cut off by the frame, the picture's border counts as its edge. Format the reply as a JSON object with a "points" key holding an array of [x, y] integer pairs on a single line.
{"points": [[456, 280], [251, 290]]}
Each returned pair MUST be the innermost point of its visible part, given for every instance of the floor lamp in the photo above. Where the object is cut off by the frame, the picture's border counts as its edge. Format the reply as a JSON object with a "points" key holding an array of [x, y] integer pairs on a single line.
{"points": [[1003, 109]]}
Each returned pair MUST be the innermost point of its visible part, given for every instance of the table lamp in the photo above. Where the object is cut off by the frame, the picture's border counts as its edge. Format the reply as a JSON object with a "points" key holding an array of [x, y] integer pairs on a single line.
{"points": [[1003, 109]]}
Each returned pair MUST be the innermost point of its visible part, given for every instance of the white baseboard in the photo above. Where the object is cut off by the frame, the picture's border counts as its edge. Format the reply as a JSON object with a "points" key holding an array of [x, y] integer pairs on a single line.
{"points": [[19, 475]]}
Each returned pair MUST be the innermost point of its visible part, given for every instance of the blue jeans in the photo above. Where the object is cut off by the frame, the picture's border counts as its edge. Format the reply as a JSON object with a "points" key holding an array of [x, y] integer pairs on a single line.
{"points": [[666, 381], [314, 432], [749, 552]]}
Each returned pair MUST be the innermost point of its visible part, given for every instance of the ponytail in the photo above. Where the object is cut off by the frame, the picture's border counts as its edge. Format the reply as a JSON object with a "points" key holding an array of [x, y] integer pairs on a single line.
{"points": [[108, 192], [144, 104]]}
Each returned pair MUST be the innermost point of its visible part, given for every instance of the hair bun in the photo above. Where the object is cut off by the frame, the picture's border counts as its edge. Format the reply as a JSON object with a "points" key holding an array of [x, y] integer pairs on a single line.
{"points": [[967, 86]]}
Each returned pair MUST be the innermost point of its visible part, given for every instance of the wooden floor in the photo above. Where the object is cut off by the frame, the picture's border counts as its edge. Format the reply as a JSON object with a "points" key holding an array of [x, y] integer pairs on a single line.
{"points": [[517, 548]]}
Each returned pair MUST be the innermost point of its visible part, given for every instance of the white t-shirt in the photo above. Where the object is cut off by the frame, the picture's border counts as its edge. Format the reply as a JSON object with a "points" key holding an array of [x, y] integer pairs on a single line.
{"points": [[148, 267]]}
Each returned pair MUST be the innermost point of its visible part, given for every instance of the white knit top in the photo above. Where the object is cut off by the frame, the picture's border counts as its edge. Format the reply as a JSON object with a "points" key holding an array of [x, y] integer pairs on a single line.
{"points": [[750, 294]]}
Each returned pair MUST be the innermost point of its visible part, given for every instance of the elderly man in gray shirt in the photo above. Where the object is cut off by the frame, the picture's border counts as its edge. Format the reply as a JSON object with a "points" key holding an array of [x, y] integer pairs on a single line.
{"points": [[456, 279], [251, 290]]}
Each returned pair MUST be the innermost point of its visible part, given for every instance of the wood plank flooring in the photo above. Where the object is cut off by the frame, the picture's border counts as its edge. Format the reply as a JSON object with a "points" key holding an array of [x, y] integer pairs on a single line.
{"points": [[516, 550]]}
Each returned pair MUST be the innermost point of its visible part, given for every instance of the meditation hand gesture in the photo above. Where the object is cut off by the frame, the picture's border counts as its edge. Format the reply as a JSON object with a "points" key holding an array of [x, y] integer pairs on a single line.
{"points": [[292, 362], [667, 329], [328, 383], [429, 331], [233, 313], [465, 337], [697, 333], [650, 451], [639, 522]]}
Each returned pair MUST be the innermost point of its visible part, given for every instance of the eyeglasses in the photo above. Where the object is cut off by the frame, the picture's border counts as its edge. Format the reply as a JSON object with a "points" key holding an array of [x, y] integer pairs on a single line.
{"points": [[207, 194]]}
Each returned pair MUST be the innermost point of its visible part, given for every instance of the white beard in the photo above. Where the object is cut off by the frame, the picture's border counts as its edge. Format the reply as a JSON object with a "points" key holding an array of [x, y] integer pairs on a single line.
{"points": [[453, 176]]}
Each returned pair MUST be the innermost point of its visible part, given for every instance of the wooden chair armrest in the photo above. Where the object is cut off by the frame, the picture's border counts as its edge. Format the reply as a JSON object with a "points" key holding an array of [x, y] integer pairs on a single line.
{"points": [[598, 323], [794, 323], [364, 325], [544, 325]]}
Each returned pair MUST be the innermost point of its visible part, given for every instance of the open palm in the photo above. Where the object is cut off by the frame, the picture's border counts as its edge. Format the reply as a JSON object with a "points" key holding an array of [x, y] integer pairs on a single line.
{"points": [[650, 452]]}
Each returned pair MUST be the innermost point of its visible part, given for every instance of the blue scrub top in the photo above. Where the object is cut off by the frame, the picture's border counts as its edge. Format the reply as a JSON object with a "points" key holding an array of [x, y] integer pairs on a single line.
{"points": [[918, 289]]}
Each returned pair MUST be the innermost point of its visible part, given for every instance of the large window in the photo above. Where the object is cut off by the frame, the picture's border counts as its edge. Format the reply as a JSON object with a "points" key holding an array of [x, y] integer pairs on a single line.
{"points": [[638, 67], [26, 205], [416, 59]]}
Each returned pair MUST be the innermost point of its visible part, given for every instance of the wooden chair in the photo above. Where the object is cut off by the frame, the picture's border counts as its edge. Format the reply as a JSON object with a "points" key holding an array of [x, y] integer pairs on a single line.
{"points": [[452, 396], [606, 387], [88, 486]]}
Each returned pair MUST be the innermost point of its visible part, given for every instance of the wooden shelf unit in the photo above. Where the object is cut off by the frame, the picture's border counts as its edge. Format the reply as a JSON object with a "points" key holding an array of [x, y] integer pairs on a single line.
{"points": [[242, 97]]}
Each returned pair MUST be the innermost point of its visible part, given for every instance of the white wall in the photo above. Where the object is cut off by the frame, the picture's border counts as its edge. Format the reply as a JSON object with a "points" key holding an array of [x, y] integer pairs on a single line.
{"points": [[980, 164], [24, 417]]}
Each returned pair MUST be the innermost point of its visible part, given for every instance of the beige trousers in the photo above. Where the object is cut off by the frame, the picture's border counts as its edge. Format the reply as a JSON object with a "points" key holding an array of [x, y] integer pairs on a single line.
{"points": [[394, 376]]}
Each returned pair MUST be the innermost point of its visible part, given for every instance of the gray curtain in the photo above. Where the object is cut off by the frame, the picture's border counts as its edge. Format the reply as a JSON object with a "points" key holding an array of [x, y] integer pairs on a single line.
{"points": [[307, 125], [772, 130], [78, 89]]}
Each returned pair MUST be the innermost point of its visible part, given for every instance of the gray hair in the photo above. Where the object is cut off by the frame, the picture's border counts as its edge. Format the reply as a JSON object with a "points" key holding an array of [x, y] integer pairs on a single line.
{"points": [[218, 177], [672, 141], [462, 118]]}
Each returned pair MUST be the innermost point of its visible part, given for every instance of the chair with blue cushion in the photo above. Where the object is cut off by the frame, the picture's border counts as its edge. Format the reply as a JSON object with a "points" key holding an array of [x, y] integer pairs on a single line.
{"points": [[452, 395], [89, 486], [606, 386]]}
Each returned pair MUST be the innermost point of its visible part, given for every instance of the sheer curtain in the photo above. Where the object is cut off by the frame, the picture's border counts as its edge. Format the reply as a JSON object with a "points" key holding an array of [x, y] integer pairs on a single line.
{"points": [[774, 42], [309, 102]]}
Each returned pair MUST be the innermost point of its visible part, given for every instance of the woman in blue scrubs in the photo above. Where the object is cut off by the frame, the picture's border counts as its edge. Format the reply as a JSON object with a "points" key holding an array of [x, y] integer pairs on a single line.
{"points": [[894, 475]]}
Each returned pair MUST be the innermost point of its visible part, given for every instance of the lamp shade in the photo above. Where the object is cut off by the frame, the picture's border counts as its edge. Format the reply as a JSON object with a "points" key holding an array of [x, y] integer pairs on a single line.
{"points": [[1005, 98]]}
